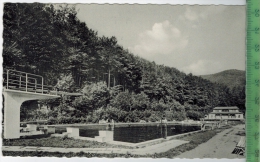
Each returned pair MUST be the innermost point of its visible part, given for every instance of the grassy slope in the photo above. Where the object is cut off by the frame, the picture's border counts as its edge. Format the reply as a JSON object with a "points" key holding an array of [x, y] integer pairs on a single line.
{"points": [[230, 78]]}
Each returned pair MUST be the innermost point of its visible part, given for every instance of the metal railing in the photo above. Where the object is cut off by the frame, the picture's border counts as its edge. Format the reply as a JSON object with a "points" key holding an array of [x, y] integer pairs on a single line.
{"points": [[22, 81]]}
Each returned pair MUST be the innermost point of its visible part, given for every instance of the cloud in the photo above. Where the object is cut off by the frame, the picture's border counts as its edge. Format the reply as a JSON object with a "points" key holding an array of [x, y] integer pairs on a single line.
{"points": [[196, 15], [202, 67], [191, 15], [162, 39]]}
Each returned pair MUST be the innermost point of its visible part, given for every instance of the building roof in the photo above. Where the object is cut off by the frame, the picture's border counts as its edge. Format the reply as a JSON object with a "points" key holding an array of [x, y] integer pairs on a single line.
{"points": [[226, 113], [226, 108]]}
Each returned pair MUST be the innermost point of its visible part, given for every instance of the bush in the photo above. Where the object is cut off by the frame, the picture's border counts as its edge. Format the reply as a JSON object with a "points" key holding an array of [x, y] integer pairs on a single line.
{"points": [[154, 118], [98, 93], [169, 115], [147, 114], [179, 115], [194, 115], [140, 101], [159, 106], [52, 121], [89, 119], [122, 101]]}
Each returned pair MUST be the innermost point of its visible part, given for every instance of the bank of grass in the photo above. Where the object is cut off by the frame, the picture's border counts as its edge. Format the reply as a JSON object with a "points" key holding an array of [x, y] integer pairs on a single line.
{"points": [[195, 140], [47, 141]]}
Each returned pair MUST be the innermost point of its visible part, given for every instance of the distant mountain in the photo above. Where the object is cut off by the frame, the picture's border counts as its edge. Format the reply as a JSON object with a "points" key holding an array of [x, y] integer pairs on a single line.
{"points": [[230, 78]]}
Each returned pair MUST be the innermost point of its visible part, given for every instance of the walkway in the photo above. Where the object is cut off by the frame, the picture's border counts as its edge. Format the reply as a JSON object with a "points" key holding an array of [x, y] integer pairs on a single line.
{"points": [[220, 146], [157, 148]]}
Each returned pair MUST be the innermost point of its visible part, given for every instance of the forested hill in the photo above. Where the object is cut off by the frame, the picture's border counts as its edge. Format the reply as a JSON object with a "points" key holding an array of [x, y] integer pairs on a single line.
{"points": [[231, 78], [53, 42]]}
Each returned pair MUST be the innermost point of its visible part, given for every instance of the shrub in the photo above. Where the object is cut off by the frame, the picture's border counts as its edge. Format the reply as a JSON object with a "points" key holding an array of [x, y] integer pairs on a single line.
{"points": [[194, 115], [179, 115], [169, 115], [140, 101], [154, 117], [52, 120], [132, 116], [89, 119], [98, 93], [122, 101]]}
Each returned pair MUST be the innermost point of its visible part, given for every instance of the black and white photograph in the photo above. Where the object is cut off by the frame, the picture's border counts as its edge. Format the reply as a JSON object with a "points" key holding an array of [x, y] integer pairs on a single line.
{"points": [[123, 80]]}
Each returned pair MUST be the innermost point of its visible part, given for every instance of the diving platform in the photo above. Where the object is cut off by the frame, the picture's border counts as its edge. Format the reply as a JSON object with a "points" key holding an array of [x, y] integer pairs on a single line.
{"points": [[19, 87]]}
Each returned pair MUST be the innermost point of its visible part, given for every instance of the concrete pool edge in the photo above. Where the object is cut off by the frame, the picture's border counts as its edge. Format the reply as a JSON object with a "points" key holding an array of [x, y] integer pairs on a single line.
{"points": [[149, 147], [158, 148], [197, 123], [110, 139], [151, 142], [134, 145]]}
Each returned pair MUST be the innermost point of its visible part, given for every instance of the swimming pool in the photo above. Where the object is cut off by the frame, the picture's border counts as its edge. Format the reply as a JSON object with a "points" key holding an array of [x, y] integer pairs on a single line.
{"points": [[134, 134]]}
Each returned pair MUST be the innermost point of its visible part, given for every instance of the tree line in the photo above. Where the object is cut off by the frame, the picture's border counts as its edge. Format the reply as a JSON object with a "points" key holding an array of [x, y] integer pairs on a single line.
{"points": [[50, 40]]}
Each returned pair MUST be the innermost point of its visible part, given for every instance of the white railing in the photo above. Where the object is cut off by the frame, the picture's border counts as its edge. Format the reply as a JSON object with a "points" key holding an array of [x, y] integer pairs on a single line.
{"points": [[22, 81]]}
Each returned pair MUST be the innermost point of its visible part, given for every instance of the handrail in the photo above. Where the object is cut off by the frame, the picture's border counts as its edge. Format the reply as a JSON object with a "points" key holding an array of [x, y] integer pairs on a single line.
{"points": [[14, 81], [23, 81], [24, 72]]}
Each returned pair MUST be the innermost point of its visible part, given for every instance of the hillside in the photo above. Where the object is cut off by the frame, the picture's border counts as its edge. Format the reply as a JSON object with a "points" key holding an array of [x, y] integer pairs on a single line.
{"points": [[116, 84], [230, 78]]}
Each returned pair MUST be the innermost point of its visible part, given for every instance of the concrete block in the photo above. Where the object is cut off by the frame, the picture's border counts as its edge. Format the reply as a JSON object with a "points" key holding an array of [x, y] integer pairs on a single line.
{"points": [[102, 133], [100, 139], [32, 127], [73, 132], [50, 130], [109, 135]]}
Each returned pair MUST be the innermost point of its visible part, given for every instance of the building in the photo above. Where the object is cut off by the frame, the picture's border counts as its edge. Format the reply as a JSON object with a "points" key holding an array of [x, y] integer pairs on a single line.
{"points": [[225, 113]]}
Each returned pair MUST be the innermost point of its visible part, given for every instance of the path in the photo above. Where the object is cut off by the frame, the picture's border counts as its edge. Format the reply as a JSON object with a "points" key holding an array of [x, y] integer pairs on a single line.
{"points": [[219, 146], [157, 148]]}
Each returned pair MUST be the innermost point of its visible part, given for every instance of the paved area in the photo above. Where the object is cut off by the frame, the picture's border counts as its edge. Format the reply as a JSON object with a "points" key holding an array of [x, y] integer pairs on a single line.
{"points": [[157, 148], [220, 146]]}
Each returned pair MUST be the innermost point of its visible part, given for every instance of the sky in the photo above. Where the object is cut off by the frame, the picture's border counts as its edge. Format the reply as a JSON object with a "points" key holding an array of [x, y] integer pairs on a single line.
{"points": [[194, 39]]}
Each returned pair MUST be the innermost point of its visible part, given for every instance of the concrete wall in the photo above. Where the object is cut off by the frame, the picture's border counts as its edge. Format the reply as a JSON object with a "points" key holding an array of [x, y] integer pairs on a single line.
{"points": [[73, 132], [105, 136], [12, 103], [32, 127], [12, 106]]}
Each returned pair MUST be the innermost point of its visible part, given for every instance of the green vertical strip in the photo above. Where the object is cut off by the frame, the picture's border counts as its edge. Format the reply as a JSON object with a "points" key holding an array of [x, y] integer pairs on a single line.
{"points": [[253, 81]]}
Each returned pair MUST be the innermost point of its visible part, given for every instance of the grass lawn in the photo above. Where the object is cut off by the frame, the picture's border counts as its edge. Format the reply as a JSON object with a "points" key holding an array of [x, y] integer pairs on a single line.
{"points": [[47, 141], [195, 140]]}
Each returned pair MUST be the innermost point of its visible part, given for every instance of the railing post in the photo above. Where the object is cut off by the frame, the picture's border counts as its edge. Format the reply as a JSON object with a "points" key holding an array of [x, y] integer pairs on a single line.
{"points": [[26, 80], [35, 81], [20, 81], [42, 85], [7, 80], [166, 130]]}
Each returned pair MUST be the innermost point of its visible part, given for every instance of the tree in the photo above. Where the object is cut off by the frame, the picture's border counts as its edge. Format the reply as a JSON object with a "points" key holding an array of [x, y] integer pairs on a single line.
{"points": [[140, 102], [123, 101]]}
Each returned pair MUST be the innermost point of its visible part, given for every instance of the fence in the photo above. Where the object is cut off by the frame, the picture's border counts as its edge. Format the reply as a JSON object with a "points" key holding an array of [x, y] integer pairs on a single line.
{"points": [[22, 81]]}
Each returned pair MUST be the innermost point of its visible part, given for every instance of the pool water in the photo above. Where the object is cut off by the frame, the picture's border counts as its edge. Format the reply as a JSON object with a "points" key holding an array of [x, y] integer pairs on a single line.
{"points": [[135, 134], [144, 133]]}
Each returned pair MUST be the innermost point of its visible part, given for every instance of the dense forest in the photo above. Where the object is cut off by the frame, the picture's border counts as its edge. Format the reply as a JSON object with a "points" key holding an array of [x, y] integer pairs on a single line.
{"points": [[50, 40], [231, 78]]}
